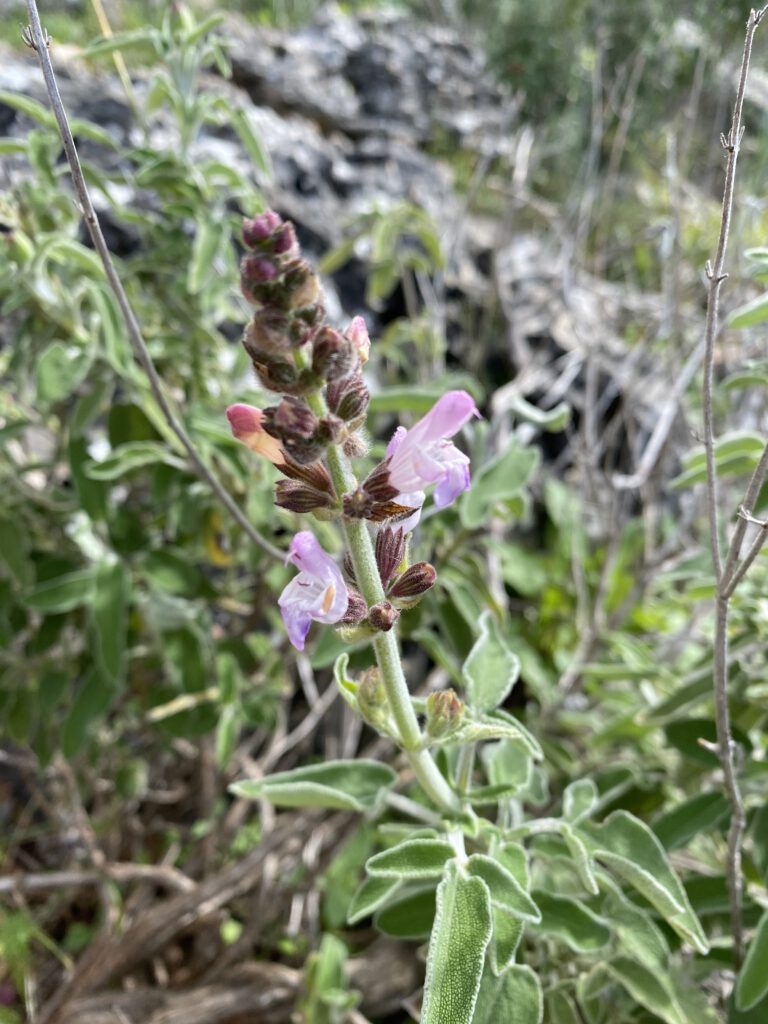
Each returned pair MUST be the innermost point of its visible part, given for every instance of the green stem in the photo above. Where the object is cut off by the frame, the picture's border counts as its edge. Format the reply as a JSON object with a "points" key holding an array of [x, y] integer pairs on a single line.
{"points": [[385, 645]]}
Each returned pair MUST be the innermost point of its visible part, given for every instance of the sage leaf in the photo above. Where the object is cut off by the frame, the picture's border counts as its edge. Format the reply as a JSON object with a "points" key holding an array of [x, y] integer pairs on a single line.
{"points": [[648, 988], [572, 922], [109, 616], [355, 785], [415, 858], [505, 890], [409, 916], [629, 848], [371, 894], [507, 932], [513, 998], [491, 669], [456, 955], [752, 983]]}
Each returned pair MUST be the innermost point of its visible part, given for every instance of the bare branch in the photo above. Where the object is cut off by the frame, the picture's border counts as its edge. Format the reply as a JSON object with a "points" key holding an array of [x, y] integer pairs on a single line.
{"points": [[725, 576]]}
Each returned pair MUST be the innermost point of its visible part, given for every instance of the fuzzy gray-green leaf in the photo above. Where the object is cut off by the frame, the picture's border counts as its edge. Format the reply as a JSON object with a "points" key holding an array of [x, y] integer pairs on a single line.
{"points": [[457, 946]]}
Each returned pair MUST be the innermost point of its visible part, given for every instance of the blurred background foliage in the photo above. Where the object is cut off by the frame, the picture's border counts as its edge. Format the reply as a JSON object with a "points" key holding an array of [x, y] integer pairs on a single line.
{"points": [[139, 632]]}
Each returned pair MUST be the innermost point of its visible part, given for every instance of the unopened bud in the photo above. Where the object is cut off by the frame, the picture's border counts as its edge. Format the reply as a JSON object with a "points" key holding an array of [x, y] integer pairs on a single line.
{"points": [[259, 228], [333, 356], [257, 270], [329, 429], [285, 241], [348, 397], [356, 611], [266, 335], [415, 581], [355, 446], [390, 551], [372, 698], [299, 497], [291, 420], [383, 616], [445, 712], [357, 333], [277, 375], [301, 283]]}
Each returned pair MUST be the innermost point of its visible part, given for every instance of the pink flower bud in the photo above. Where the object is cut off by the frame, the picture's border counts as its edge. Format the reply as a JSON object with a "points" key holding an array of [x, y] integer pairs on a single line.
{"points": [[383, 616], [259, 228], [247, 426], [357, 333], [445, 712]]}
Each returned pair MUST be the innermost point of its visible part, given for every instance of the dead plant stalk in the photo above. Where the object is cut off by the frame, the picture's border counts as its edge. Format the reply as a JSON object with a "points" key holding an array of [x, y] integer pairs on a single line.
{"points": [[728, 576]]}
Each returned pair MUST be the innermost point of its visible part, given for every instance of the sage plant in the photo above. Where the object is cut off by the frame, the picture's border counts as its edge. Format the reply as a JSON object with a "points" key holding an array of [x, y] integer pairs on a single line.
{"points": [[472, 858]]}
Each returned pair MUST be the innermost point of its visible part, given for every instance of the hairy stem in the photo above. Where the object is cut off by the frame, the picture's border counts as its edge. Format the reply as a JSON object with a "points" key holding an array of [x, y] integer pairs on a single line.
{"points": [[385, 645]]}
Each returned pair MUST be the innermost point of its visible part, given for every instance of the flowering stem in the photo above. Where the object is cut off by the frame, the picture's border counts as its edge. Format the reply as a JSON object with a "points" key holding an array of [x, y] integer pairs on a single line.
{"points": [[385, 644]]}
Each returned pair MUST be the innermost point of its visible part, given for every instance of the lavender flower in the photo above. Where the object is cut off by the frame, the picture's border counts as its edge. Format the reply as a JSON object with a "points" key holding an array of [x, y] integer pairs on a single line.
{"points": [[424, 454], [318, 592]]}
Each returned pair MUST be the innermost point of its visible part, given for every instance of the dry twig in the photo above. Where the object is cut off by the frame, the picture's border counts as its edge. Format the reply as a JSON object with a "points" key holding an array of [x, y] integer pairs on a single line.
{"points": [[728, 576]]}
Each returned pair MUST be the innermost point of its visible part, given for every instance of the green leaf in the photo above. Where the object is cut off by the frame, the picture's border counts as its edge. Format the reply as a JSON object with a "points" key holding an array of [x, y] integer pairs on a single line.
{"points": [[120, 41], [419, 399], [513, 998], [552, 420], [227, 733], [506, 892], [204, 249], [63, 593], [759, 833], [347, 687], [572, 922], [491, 669], [29, 107], [415, 858], [410, 915], [372, 894], [560, 1009], [133, 455], [633, 852], [702, 813], [60, 369], [501, 479], [750, 314], [507, 932], [647, 988], [258, 154], [638, 934], [460, 935], [14, 551], [581, 859], [356, 785], [94, 697], [752, 983], [109, 615], [579, 798]]}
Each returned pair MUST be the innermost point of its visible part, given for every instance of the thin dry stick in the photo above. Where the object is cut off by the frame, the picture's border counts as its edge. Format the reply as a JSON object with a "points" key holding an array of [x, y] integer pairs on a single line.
{"points": [[35, 38], [716, 274]]}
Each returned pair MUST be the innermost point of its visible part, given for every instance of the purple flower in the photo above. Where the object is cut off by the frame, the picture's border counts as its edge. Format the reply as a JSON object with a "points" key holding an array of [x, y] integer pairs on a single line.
{"points": [[424, 454], [318, 592]]}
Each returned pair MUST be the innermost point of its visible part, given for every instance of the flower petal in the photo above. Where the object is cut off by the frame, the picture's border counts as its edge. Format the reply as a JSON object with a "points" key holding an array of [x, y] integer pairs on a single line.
{"points": [[246, 424], [446, 417]]}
